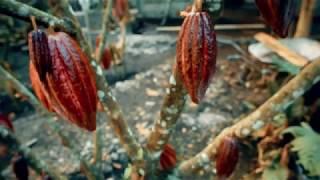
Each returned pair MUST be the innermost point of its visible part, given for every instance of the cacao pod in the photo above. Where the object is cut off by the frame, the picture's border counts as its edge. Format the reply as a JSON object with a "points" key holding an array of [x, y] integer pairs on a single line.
{"points": [[120, 9], [196, 54], [71, 83], [279, 14], [20, 167], [227, 157], [168, 158], [6, 122], [106, 56], [62, 77], [39, 65]]}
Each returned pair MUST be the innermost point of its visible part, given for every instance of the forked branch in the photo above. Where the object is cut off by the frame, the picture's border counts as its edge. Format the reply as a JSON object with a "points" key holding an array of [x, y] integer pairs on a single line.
{"points": [[264, 115]]}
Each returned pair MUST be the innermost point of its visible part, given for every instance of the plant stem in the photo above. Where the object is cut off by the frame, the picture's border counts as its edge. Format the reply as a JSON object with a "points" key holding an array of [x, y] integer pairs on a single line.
{"points": [[11, 8], [104, 31], [172, 107], [37, 164], [22, 89], [265, 114]]}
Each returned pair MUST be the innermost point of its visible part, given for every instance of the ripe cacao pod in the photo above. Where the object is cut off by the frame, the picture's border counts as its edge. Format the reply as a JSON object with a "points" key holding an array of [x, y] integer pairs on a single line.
{"points": [[20, 167], [227, 157], [279, 14], [120, 9], [40, 62], [168, 158], [107, 57], [71, 83], [6, 122], [62, 78], [196, 54], [38, 86]]}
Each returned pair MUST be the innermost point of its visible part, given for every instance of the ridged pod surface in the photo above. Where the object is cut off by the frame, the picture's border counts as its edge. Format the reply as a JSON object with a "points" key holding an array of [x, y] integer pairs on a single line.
{"points": [[279, 14], [196, 54], [227, 157], [168, 158], [40, 62], [62, 78], [71, 83]]}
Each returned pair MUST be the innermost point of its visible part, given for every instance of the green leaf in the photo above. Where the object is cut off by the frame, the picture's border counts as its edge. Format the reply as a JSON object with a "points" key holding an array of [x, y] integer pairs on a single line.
{"points": [[284, 66], [275, 172], [307, 146]]}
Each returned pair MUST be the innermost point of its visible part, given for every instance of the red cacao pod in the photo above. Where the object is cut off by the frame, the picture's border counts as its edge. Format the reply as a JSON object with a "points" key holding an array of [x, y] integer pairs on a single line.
{"points": [[71, 82], [39, 53], [279, 14], [20, 167], [168, 158], [6, 122], [107, 57], [227, 157], [120, 9], [38, 87], [196, 54], [40, 62]]}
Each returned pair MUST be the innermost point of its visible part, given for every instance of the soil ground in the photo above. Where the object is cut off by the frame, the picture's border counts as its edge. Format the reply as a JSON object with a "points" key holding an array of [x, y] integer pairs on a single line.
{"points": [[140, 87]]}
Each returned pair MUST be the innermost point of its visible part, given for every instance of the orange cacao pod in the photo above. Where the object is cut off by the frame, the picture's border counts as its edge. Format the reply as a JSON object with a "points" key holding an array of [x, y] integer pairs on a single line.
{"points": [[6, 122], [71, 82], [62, 78], [120, 9], [40, 62], [279, 14], [38, 86], [196, 54], [227, 157], [168, 158]]}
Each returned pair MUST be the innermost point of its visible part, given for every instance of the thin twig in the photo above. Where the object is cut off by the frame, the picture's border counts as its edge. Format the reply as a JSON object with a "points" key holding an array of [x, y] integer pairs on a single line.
{"points": [[22, 89], [32, 99], [88, 170], [104, 31], [172, 107], [11, 8], [264, 115], [36, 163]]}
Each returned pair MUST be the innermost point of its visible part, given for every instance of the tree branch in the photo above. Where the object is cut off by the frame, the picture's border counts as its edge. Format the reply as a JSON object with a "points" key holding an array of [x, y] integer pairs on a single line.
{"points": [[170, 112], [37, 164], [111, 106], [264, 115]]}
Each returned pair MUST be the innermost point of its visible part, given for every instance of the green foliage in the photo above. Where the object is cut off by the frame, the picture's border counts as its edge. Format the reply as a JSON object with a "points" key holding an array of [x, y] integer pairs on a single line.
{"points": [[275, 172], [307, 146], [284, 66]]}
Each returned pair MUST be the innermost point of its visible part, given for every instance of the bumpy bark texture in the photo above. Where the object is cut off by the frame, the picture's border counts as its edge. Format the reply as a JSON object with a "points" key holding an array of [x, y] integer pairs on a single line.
{"points": [[279, 14], [196, 54]]}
